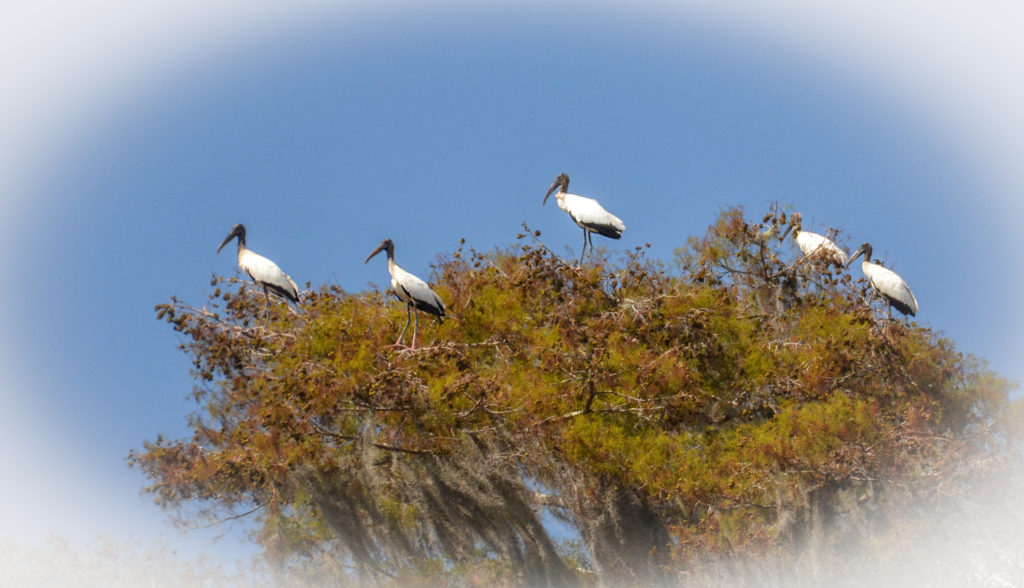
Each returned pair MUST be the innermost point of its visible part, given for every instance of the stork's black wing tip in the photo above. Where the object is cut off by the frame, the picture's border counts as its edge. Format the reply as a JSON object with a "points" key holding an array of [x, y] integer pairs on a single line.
{"points": [[430, 309], [902, 307], [283, 293]]}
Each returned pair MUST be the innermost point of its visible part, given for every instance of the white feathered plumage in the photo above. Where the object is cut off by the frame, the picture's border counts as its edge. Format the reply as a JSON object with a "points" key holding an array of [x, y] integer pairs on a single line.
{"points": [[262, 271], [813, 244], [887, 283], [585, 212], [411, 290]]}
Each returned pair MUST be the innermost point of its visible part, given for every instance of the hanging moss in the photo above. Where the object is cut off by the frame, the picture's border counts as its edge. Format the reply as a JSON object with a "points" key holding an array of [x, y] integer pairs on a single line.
{"points": [[732, 407]]}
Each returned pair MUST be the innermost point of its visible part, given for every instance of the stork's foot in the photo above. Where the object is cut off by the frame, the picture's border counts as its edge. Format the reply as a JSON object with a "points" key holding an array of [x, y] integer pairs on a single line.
{"points": [[402, 347], [402, 350]]}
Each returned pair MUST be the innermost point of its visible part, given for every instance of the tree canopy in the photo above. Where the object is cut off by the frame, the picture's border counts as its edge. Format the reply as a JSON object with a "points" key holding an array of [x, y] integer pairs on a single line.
{"points": [[623, 422]]}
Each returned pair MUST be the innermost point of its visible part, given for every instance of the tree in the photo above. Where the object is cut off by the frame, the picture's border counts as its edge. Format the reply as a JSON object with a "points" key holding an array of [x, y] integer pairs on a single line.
{"points": [[619, 423]]}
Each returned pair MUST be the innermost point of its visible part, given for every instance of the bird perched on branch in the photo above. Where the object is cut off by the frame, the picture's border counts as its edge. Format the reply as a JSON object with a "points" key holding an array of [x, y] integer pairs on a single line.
{"points": [[813, 244], [262, 271], [585, 212], [887, 283], [411, 290]]}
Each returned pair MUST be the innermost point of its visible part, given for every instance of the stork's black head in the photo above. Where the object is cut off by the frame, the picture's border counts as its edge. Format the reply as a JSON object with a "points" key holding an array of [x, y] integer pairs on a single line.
{"points": [[385, 245], [561, 181], [236, 231], [794, 224], [863, 249], [796, 221]]}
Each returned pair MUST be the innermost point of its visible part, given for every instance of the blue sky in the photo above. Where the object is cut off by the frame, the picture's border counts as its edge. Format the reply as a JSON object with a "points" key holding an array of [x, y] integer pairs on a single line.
{"points": [[325, 131]]}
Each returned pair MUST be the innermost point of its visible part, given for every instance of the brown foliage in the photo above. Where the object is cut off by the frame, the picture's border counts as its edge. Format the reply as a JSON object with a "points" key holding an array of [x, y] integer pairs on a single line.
{"points": [[745, 405]]}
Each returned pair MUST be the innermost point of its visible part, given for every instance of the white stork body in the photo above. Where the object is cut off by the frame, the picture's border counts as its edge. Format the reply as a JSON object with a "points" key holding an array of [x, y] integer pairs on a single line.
{"points": [[262, 271], [813, 244], [887, 283], [587, 213], [414, 292]]}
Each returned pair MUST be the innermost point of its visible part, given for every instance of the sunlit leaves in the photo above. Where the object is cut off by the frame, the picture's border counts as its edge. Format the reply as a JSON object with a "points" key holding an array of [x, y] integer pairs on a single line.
{"points": [[711, 404]]}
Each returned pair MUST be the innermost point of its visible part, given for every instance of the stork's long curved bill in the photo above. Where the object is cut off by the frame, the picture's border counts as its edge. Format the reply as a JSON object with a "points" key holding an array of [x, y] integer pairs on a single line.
{"points": [[231, 235], [785, 233], [856, 254], [379, 248], [550, 190]]}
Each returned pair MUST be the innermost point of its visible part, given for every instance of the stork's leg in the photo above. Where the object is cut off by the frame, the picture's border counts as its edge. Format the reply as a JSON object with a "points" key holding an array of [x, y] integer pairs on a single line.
{"points": [[408, 319], [590, 241], [582, 251], [266, 306], [415, 329]]}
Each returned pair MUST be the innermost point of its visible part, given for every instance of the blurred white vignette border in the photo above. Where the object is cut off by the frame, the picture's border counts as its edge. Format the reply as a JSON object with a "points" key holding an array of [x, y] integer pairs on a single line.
{"points": [[62, 64]]}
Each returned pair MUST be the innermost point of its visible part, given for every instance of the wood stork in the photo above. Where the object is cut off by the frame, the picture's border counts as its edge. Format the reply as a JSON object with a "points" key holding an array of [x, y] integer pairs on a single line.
{"points": [[887, 283], [585, 212], [813, 244], [411, 290], [262, 271]]}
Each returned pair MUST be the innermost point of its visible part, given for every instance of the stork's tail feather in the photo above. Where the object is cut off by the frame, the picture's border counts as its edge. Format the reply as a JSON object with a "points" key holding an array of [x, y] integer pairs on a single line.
{"points": [[610, 232], [282, 292], [437, 311], [900, 306]]}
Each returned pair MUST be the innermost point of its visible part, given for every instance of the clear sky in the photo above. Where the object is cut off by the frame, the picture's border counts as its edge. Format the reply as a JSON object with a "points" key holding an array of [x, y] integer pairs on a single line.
{"points": [[135, 138]]}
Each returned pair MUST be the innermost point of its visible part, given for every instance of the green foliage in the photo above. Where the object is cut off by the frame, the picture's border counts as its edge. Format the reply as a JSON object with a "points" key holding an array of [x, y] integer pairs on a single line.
{"points": [[661, 417]]}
